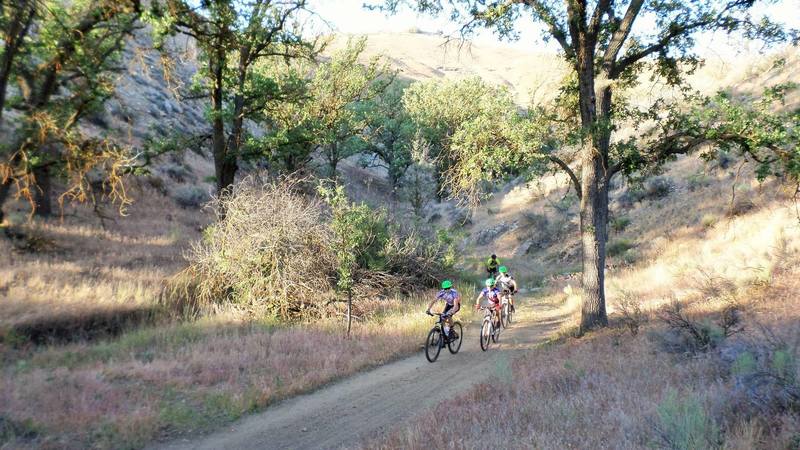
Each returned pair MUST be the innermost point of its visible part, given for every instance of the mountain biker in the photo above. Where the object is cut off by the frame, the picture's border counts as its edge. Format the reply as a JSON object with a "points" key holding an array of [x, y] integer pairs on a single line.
{"points": [[452, 300], [505, 282], [491, 265], [492, 296]]}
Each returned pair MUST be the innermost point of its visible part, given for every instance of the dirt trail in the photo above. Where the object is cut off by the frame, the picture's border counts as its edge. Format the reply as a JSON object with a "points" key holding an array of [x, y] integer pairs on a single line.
{"points": [[373, 402]]}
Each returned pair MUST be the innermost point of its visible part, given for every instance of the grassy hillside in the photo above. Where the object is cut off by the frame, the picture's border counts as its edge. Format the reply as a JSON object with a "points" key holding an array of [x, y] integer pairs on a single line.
{"points": [[90, 360]]}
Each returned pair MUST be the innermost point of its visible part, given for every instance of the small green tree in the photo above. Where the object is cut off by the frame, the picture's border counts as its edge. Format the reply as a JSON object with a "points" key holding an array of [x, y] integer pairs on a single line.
{"points": [[440, 108], [354, 234], [336, 95], [390, 133]]}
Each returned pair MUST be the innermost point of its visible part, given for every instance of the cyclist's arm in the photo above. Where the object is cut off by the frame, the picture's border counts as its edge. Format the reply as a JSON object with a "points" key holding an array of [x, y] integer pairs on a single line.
{"points": [[430, 305], [456, 305], [478, 299]]}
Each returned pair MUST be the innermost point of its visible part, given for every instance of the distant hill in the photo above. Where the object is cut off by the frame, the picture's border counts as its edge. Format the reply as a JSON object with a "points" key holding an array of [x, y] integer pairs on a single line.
{"points": [[419, 56]]}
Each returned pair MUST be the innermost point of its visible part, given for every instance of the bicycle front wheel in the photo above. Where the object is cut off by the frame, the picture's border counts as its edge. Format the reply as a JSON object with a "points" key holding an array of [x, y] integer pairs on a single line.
{"points": [[433, 345], [496, 331], [455, 345], [486, 333], [510, 317]]}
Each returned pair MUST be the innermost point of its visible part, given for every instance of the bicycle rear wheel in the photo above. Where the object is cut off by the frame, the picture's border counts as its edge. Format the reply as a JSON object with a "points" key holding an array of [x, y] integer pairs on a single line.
{"points": [[486, 333], [433, 345], [504, 322], [455, 345]]}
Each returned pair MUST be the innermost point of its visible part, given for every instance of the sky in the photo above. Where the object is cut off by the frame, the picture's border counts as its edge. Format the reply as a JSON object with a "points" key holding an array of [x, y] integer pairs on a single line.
{"points": [[349, 16]]}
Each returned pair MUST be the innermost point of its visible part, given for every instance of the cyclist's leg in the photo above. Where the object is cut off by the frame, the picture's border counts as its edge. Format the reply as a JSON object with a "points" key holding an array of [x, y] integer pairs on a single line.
{"points": [[448, 321]]}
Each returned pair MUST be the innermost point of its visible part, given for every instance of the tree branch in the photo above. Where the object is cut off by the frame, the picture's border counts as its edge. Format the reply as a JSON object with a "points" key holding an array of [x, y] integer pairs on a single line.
{"points": [[565, 167], [621, 33], [676, 30], [547, 16]]}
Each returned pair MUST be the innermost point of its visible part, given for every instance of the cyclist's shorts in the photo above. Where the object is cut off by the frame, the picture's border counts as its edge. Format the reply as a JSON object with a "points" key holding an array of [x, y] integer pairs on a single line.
{"points": [[447, 308]]}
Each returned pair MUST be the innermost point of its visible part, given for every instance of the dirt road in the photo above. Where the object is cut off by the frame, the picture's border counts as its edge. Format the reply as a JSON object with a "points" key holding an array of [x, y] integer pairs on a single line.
{"points": [[373, 402]]}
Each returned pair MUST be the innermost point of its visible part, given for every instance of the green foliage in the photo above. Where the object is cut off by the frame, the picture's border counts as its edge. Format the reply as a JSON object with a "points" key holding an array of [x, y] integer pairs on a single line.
{"points": [[749, 126], [391, 134], [618, 224], [744, 364], [64, 73], [336, 94], [619, 247], [242, 47], [784, 364], [475, 131], [358, 235], [683, 424]]}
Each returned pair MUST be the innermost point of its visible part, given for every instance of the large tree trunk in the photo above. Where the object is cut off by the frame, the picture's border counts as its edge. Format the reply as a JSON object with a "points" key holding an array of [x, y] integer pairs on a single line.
{"points": [[224, 164], [594, 216], [5, 189], [16, 31], [594, 195], [43, 203]]}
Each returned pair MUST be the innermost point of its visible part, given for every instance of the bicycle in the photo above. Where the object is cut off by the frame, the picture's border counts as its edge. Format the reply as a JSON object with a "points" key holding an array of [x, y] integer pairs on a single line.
{"points": [[507, 311], [437, 340], [490, 328]]}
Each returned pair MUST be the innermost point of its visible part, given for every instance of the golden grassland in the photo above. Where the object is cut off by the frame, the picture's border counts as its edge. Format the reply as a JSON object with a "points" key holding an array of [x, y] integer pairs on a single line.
{"points": [[162, 381], [82, 368]]}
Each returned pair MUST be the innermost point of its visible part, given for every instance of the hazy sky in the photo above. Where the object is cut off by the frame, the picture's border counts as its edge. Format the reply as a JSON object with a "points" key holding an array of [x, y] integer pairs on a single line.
{"points": [[349, 16]]}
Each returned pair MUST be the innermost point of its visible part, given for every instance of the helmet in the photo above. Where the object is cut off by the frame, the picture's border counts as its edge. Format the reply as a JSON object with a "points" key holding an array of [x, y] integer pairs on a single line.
{"points": [[489, 282], [494, 256], [447, 284], [503, 269]]}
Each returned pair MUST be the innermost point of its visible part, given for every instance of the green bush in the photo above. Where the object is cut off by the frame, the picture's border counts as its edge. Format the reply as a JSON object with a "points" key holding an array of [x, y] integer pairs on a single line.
{"points": [[725, 159], [708, 220], [658, 187], [698, 180], [618, 224], [683, 424], [619, 247]]}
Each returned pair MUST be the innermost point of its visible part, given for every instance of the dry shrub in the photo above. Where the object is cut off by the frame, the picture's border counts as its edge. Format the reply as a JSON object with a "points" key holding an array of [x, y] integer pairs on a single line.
{"points": [[630, 307], [686, 334], [29, 238], [268, 253], [710, 285]]}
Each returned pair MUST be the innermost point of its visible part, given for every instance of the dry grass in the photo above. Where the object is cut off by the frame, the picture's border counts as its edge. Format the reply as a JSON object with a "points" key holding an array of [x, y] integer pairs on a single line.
{"points": [[622, 390], [165, 381], [164, 378], [612, 389], [86, 273]]}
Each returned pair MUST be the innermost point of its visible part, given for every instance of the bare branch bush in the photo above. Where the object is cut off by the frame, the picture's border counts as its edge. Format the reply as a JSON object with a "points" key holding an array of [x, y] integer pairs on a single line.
{"points": [[268, 253], [689, 335], [271, 253], [630, 307]]}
